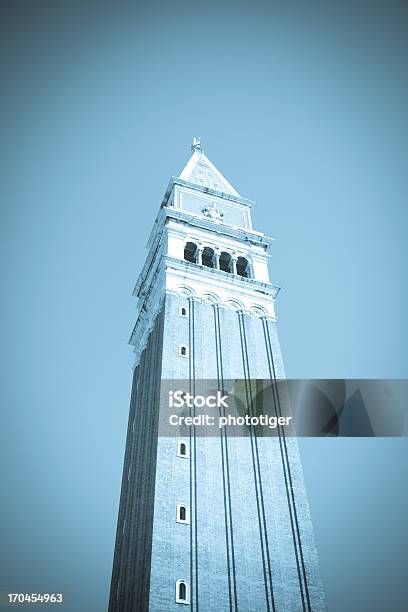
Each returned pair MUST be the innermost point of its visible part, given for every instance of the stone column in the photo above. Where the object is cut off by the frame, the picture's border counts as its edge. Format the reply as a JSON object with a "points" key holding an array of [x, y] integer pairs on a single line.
{"points": [[234, 264], [199, 255], [217, 260]]}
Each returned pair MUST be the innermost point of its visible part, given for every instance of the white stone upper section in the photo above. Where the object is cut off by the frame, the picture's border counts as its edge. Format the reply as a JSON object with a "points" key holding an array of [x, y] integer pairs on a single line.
{"points": [[203, 246], [201, 171]]}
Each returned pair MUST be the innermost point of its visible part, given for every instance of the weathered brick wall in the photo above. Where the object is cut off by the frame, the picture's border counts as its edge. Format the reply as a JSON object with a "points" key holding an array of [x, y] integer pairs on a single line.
{"points": [[250, 539]]}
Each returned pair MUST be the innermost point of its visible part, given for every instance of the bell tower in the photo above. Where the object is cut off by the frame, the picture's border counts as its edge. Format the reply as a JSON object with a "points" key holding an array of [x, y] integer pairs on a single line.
{"points": [[218, 523]]}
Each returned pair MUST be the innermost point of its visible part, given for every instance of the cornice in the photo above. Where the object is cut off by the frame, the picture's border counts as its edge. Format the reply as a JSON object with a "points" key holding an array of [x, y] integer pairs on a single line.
{"points": [[231, 231], [226, 278], [208, 190]]}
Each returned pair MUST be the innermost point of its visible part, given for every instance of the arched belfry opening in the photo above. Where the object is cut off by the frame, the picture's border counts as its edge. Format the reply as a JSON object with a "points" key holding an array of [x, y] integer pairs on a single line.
{"points": [[208, 257], [225, 262], [243, 267], [190, 252]]}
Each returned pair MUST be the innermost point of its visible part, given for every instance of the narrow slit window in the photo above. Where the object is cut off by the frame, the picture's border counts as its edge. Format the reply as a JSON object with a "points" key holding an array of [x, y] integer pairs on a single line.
{"points": [[182, 449], [182, 592], [182, 514], [183, 350], [183, 311]]}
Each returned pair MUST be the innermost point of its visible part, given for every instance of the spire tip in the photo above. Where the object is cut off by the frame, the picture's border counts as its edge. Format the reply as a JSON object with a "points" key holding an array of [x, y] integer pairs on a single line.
{"points": [[196, 146]]}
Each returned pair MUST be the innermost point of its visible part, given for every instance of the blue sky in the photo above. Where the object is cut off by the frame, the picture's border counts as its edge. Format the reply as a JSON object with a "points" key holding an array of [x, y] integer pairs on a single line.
{"points": [[303, 107]]}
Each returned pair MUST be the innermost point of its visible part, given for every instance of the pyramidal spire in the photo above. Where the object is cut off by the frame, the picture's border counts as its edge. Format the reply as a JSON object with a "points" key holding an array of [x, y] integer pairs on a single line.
{"points": [[201, 171]]}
